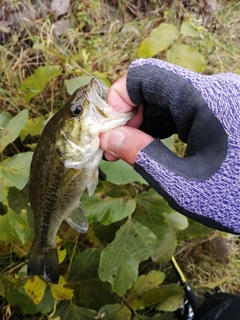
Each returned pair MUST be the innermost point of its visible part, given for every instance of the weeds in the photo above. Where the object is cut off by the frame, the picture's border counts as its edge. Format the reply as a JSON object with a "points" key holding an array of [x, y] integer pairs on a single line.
{"points": [[103, 37]]}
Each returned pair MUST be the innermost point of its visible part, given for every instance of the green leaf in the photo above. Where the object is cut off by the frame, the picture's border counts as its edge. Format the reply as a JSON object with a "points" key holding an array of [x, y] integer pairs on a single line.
{"points": [[85, 266], [160, 296], [32, 127], [114, 312], [5, 117], [119, 172], [19, 298], [187, 29], [93, 294], [75, 83], [105, 234], [152, 212], [174, 298], [144, 284], [187, 57], [120, 259], [12, 127], [160, 39], [177, 220], [14, 171], [101, 207], [66, 311], [37, 81], [13, 288], [83, 277], [47, 303], [19, 202], [194, 230], [168, 142], [14, 227], [165, 247]]}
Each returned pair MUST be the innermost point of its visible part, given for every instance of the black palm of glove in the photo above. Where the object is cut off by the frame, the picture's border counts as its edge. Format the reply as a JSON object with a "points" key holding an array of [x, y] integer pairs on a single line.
{"points": [[204, 111]]}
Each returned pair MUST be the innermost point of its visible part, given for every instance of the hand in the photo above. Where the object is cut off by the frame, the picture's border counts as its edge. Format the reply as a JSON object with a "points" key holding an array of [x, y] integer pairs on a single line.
{"points": [[205, 113], [127, 141]]}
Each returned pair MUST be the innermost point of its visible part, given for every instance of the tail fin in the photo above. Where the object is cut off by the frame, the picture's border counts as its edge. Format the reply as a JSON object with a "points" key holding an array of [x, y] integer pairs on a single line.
{"points": [[44, 263]]}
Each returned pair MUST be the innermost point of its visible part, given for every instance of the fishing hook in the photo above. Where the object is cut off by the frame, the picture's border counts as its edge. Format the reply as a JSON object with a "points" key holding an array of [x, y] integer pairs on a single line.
{"points": [[88, 73]]}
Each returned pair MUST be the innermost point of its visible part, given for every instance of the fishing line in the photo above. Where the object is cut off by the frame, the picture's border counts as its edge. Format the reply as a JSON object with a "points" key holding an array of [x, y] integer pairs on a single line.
{"points": [[88, 73]]}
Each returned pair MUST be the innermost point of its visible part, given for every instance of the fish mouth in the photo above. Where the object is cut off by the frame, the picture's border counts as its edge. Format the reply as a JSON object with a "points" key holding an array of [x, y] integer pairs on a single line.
{"points": [[101, 114]]}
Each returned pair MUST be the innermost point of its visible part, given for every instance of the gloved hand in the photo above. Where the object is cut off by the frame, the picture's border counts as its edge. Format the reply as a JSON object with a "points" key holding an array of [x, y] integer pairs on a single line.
{"points": [[205, 112]]}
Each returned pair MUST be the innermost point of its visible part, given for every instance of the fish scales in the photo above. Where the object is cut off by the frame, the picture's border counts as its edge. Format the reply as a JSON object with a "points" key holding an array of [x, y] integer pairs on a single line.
{"points": [[64, 164]]}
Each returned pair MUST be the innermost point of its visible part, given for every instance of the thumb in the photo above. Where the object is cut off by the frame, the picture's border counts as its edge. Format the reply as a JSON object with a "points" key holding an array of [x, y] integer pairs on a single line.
{"points": [[124, 143]]}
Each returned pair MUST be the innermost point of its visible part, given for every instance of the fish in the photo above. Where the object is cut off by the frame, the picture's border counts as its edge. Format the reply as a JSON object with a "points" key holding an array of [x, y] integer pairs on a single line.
{"points": [[64, 164]]}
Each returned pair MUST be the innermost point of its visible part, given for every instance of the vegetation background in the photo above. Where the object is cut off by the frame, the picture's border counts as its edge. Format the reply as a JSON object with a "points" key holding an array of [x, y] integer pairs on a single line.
{"points": [[120, 269]]}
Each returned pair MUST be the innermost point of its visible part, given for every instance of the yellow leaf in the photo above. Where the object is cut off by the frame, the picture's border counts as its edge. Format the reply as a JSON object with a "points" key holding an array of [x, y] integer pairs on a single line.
{"points": [[61, 255], [35, 288], [33, 126], [59, 292], [187, 29]]}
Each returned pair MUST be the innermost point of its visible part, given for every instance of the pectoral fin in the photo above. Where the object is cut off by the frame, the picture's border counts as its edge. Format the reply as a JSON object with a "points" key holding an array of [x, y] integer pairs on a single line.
{"points": [[77, 220], [69, 176], [93, 182]]}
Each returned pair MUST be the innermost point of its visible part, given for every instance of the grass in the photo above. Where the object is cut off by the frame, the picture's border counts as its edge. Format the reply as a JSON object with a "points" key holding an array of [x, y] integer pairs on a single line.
{"points": [[103, 37], [210, 267]]}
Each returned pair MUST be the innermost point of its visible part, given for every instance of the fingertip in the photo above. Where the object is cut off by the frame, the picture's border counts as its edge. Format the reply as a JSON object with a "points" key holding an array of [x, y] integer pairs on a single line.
{"points": [[109, 157]]}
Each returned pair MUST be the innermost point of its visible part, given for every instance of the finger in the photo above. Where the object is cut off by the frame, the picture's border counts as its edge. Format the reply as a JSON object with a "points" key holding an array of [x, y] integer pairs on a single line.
{"points": [[125, 142], [118, 97], [110, 157]]}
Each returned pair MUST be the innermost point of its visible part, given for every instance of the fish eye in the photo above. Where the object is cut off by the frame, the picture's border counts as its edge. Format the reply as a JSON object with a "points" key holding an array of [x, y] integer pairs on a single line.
{"points": [[75, 110]]}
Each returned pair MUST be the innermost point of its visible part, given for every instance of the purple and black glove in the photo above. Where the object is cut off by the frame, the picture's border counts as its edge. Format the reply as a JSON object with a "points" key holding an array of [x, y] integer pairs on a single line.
{"points": [[205, 113]]}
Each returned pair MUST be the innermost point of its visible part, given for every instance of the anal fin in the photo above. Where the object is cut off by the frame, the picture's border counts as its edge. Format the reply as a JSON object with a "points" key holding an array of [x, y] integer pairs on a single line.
{"points": [[78, 220]]}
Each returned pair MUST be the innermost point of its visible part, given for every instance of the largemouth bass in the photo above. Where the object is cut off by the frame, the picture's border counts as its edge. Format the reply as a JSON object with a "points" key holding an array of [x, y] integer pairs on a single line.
{"points": [[64, 164]]}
